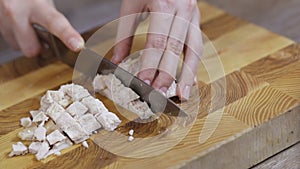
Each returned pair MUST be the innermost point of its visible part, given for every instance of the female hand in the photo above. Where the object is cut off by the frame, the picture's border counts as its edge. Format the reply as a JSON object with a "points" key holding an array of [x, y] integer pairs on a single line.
{"points": [[174, 29], [17, 17]]}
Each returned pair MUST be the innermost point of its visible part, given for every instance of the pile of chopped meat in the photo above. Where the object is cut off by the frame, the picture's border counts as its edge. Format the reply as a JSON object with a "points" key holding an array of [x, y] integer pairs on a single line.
{"points": [[111, 87], [66, 116]]}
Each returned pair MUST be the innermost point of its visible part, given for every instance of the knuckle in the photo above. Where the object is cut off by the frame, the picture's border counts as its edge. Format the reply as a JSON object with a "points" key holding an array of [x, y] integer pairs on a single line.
{"points": [[146, 74], [191, 4], [8, 8], [175, 46], [159, 42], [163, 79]]}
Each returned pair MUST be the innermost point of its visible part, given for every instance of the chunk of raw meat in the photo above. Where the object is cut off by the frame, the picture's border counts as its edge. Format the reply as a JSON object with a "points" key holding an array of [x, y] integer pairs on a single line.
{"points": [[99, 83], [34, 147], [54, 111], [141, 109], [38, 116], [27, 133], [95, 106], [131, 132], [77, 109], [40, 133], [123, 95], [109, 121], [18, 149], [42, 151], [55, 136], [76, 92], [89, 123], [26, 122], [71, 128], [62, 145]]}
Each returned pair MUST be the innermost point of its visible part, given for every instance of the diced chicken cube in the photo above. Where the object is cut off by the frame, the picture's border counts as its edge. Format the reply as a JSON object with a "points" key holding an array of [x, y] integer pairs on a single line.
{"points": [[54, 111], [71, 128], [26, 122], [76, 92], [107, 93], [56, 95], [99, 83], [66, 101], [55, 136], [89, 123], [18, 149], [123, 95], [171, 92], [34, 147], [46, 101], [42, 151], [62, 145], [108, 120], [38, 116], [141, 109], [95, 106], [27, 133], [77, 109], [40, 133]]}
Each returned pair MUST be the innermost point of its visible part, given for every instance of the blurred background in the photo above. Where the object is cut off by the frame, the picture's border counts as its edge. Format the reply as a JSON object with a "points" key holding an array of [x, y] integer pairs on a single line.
{"points": [[279, 16]]}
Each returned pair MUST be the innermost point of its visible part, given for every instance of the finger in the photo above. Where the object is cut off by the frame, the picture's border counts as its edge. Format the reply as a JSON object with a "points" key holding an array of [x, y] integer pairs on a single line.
{"points": [[24, 33], [58, 25], [9, 37], [156, 43], [175, 44], [126, 29], [191, 59]]}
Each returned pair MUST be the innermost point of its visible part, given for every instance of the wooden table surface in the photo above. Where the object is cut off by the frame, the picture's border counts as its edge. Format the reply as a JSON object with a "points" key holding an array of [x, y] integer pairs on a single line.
{"points": [[260, 118]]}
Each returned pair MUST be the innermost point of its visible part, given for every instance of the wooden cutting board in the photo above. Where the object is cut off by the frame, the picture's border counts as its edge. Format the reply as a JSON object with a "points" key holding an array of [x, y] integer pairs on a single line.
{"points": [[260, 118]]}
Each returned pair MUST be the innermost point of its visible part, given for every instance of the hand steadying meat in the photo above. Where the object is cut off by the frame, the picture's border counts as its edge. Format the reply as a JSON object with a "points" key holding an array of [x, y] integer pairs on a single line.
{"points": [[173, 30], [17, 17]]}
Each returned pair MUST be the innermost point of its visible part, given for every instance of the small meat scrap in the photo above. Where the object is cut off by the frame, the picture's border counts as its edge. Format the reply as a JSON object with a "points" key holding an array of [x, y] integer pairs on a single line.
{"points": [[34, 147], [131, 131], [77, 109], [141, 109], [76, 92], [54, 111], [55, 136], [71, 128], [42, 151], [130, 138], [108, 120], [18, 149], [89, 123], [40, 133], [26, 122], [27, 133], [38, 116], [95, 106], [46, 101], [85, 144]]}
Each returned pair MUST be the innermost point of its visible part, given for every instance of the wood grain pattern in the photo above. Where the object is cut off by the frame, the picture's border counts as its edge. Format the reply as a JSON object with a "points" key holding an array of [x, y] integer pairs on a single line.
{"points": [[260, 106]]}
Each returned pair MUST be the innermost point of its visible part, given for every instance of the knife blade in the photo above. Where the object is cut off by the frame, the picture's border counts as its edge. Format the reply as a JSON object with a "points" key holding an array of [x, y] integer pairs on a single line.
{"points": [[157, 101]]}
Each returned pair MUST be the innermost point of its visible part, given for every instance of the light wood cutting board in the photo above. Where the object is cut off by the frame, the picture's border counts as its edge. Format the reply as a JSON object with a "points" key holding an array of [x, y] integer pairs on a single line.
{"points": [[260, 118]]}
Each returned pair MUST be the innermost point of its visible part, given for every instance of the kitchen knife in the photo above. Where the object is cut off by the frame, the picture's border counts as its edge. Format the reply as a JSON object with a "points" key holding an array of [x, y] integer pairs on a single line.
{"points": [[157, 101]]}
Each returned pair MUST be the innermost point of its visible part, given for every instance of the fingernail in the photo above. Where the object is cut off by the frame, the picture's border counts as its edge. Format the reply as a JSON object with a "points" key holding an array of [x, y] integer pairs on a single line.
{"points": [[186, 92], [76, 43], [147, 81], [163, 90]]}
